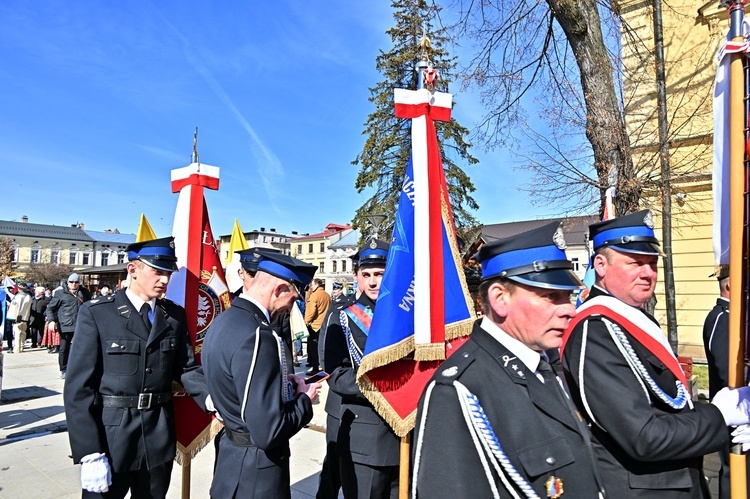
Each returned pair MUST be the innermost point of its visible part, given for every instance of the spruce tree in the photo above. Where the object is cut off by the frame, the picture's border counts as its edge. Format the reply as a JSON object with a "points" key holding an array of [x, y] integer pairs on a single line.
{"points": [[386, 151]]}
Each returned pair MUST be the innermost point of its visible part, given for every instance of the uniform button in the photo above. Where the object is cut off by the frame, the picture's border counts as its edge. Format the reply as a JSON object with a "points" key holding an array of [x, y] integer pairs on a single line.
{"points": [[149, 370], [122, 347], [149, 350], [466, 354], [550, 460]]}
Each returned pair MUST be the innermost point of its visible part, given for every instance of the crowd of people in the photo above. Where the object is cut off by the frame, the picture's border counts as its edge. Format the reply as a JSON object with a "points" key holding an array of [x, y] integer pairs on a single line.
{"points": [[542, 400]]}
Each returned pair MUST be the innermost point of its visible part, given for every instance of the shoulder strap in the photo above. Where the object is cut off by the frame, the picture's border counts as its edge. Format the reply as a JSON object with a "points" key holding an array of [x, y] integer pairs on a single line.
{"points": [[641, 336]]}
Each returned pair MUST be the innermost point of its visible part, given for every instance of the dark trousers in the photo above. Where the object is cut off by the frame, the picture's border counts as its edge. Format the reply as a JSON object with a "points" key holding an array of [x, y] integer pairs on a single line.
{"points": [[144, 483], [36, 336], [65, 340], [362, 480], [8, 334], [312, 348], [330, 481]]}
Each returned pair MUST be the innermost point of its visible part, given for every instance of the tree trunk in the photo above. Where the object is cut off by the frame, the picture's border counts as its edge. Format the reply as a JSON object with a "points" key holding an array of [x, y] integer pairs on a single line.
{"points": [[605, 126]]}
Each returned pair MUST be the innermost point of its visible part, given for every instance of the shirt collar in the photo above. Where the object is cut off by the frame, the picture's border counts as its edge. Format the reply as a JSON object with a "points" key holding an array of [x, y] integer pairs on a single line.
{"points": [[137, 301], [252, 300], [529, 357]]}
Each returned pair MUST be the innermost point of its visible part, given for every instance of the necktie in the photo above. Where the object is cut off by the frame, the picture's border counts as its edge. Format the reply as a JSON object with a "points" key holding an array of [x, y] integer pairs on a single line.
{"points": [[550, 378], [145, 309]]}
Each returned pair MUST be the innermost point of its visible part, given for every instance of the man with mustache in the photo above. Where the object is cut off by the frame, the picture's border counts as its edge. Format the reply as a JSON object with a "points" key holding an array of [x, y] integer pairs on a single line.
{"points": [[648, 436]]}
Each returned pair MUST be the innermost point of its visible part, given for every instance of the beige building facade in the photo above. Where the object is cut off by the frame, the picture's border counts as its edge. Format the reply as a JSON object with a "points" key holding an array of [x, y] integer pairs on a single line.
{"points": [[693, 31]]}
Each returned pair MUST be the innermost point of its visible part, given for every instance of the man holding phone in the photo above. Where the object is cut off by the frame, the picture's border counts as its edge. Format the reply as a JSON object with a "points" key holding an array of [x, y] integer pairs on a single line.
{"points": [[367, 448], [253, 386]]}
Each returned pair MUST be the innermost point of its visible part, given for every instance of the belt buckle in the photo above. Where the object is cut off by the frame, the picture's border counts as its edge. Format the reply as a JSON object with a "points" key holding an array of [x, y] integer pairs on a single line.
{"points": [[144, 401]]}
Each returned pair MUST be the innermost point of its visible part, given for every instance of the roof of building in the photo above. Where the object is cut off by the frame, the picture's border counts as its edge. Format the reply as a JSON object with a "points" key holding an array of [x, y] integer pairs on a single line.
{"points": [[110, 237], [575, 228], [25, 229], [348, 241], [329, 230]]}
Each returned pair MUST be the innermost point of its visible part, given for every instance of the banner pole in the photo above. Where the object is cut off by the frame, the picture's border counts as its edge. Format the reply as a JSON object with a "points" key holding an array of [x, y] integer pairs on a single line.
{"points": [[403, 470], [186, 460], [736, 371]]}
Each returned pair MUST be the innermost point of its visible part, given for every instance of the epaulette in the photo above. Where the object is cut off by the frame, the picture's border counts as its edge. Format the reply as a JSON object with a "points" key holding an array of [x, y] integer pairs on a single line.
{"points": [[100, 300], [452, 369]]}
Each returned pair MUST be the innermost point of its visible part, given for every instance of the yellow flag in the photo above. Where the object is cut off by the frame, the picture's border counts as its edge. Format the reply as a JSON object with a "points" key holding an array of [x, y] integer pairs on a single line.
{"points": [[237, 242], [145, 232]]}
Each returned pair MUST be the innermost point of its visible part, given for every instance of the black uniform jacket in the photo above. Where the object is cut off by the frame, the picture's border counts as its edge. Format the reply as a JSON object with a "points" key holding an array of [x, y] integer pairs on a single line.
{"points": [[241, 356], [716, 344], [363, 433], [537, 431], [644, 447], [332, 322], [114, 354]]}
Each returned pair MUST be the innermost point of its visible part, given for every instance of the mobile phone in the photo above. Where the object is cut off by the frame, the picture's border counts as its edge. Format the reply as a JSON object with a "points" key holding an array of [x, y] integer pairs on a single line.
{"points": [[320, 376]]}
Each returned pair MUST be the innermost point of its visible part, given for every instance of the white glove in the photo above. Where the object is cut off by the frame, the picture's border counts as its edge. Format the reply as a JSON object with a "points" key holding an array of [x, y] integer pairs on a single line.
{"points": [[734, 405], [741, 435], [210, 404], [96, 476]]}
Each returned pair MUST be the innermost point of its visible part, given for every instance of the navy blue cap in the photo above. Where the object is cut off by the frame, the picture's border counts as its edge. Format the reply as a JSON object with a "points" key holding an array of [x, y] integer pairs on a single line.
{"points": [[157, 253], [373, 252], [287, 268], [249, 259], [721, 272], [535, 258], [632, 233], [337, 285]]}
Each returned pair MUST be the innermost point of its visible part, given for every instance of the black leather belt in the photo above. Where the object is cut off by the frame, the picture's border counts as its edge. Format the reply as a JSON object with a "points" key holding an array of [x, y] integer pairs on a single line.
{"points": [[143, 401], [241, 438]]}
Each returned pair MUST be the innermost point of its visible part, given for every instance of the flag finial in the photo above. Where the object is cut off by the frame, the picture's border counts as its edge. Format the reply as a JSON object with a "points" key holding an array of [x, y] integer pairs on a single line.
{"points": [[194, 158]]}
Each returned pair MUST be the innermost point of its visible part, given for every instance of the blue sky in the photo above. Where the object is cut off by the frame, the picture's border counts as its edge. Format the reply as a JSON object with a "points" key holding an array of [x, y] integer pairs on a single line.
{"points": [[100, 99]]}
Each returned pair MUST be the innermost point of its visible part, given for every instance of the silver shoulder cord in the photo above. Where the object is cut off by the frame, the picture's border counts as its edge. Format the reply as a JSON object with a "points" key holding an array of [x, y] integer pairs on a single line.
{"points": [[355, 354], [636, 366], [486, 444]]}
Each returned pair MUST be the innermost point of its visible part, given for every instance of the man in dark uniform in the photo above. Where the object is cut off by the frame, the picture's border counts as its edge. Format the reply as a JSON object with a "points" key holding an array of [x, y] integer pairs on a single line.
{"points": [[648, 436], [495, 419], [255, 391], [329, 482], [128, 350], [716, 344], [337, 295], [368, 449]]}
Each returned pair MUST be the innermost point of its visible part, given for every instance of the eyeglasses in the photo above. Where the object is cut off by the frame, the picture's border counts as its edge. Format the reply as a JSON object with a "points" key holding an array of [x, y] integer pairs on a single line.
{"points": [[73, 282]]}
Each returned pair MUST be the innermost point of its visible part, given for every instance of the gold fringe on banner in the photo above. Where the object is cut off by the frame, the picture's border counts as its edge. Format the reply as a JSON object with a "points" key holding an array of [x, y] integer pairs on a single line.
{"points": [[400, 426], [188, 453], [385, 356]]}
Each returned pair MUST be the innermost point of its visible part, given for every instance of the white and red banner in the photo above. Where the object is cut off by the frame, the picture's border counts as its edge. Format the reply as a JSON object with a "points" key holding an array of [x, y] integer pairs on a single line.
{"points": [[424, 310], [198, 285]]}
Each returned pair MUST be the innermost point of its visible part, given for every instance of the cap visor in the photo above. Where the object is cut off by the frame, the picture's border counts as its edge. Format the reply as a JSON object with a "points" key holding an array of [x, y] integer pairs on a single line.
{"points": [[551, 279], [160, 264], [640, 248]]}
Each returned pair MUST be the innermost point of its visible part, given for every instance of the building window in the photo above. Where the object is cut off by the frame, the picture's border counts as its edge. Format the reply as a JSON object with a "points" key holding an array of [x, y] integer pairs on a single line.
{"points": [[121, 258], [55, 257], [73, 258], [310, 248], [322, 247], [86, 258], [575, 263], [15, 251], [343, 265], [299, 249], [322, 267], [333, 269], [36, 250]]}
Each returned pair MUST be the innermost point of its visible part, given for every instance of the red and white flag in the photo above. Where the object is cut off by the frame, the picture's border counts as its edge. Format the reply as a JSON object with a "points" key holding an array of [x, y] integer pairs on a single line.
{"points": [[199, 286]]}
